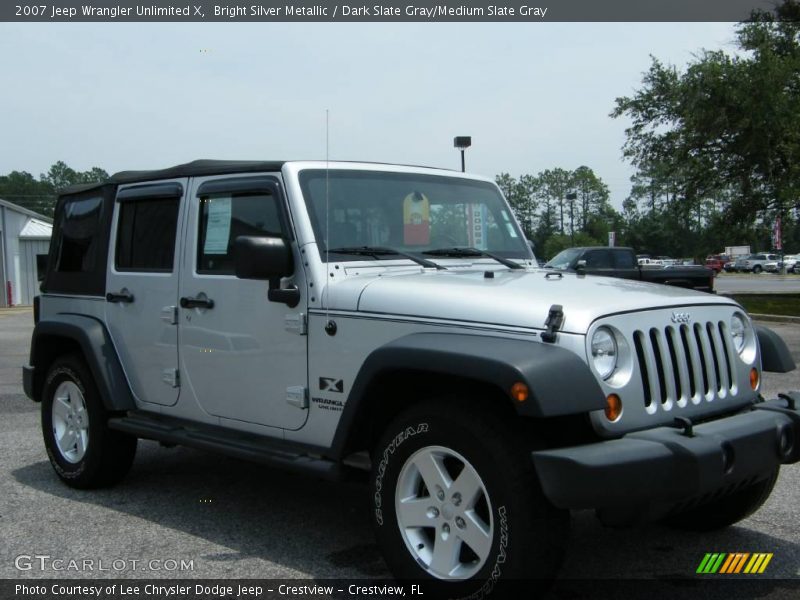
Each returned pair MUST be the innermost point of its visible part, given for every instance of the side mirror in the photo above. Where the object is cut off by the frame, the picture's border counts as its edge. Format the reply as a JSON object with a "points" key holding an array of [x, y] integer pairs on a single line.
{"points": [[256, 257], [581, 264]]}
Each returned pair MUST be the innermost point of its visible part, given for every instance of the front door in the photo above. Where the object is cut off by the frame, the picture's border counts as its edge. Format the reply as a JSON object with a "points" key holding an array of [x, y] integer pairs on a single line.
{"points": [[238, 357], [142, 288]]}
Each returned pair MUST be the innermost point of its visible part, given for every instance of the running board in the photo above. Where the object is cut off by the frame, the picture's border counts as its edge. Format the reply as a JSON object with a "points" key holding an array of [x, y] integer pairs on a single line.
{"points": [[237, 444]]}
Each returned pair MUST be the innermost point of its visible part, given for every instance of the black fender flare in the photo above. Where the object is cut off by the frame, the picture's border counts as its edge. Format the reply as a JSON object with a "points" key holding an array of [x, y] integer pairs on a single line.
{"points": [[775, 356], [98, 351], [560, 383]]}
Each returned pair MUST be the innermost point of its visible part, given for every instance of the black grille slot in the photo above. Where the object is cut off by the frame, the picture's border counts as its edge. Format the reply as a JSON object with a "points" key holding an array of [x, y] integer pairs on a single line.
{"points": [[662, 384], [714, 351], [698, 336], [721, 327], [638, 344], [675, 364], [689, 360]]}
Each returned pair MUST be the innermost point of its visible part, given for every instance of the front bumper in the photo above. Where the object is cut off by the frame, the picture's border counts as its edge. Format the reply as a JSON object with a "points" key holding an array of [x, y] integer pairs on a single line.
{"points": [[654, 470]]}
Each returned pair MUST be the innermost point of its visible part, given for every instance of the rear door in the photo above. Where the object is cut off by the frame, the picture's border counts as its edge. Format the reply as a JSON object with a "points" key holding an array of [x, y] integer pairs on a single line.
{"points": [[243, 357], [142, 287]]}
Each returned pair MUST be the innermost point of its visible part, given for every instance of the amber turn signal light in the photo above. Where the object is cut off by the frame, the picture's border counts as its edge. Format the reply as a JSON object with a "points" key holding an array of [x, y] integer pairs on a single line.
{"points": [[754, 378], [519, 392], [613, 407]]}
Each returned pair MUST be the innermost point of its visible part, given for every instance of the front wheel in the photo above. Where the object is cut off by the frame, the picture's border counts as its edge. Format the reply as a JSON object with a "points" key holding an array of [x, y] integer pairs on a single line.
{"points": [[83, 451], [457, 502], [757, 269]]}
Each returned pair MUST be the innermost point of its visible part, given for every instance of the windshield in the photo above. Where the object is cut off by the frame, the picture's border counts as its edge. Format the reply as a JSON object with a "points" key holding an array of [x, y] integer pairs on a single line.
{"points": [[563, 259], [408, 212]]}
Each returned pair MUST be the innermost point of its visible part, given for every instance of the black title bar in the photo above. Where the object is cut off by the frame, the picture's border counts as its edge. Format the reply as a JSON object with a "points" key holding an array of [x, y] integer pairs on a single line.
{"points": [[74, 11]]}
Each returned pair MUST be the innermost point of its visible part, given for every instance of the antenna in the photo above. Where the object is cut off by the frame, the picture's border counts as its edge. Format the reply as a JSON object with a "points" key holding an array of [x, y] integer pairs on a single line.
{"points": [[328, 324]]}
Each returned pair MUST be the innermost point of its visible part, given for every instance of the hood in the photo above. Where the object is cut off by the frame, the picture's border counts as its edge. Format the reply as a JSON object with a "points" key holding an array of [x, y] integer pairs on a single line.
{"points": [[510, 298]]}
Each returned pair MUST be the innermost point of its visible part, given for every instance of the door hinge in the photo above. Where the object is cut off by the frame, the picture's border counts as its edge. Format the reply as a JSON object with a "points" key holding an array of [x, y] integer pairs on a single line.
{"points": [[296, 323], [297, 396], [171, 377], [170, 314]]}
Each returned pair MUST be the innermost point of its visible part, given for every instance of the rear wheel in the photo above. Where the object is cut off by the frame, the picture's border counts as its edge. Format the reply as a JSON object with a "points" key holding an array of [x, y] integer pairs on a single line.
{"points": [[757, 269], [457, 502], [728, 510], [83, 451]]}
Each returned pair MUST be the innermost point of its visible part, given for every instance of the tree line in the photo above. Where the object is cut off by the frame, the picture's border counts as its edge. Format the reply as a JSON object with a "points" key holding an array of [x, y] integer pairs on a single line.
{"points": [[715, 146], [39, 195]]}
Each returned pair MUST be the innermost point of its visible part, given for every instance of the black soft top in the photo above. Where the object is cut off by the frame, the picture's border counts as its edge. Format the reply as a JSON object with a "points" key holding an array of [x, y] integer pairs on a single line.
{"points": [[197, 168], [190, 169]]}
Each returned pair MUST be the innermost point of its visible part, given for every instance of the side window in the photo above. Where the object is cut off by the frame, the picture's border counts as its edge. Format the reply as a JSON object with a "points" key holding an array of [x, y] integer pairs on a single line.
{"points": [[624, 260], [598, 259], [78, 235], [146, 234], [226, 216], [77, 259]]}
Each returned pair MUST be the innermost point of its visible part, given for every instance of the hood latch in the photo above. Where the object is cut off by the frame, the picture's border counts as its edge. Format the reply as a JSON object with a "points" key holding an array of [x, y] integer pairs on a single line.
{"points": [[554, 321]]}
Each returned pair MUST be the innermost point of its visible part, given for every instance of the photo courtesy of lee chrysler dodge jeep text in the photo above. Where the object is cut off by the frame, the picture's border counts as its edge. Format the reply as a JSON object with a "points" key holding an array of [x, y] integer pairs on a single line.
{"points": [[326, 317]]}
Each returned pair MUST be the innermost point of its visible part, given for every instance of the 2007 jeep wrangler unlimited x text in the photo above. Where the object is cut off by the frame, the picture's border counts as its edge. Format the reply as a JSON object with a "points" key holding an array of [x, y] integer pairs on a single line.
{"points": [[327, 317]]}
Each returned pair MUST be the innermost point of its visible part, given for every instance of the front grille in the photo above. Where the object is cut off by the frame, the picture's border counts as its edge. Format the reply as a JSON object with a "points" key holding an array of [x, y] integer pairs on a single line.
{"points": [[684, 365]]}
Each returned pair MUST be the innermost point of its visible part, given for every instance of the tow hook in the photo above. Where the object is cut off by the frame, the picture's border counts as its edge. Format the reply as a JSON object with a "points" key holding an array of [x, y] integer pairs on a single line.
{"points": [[685, 424]]}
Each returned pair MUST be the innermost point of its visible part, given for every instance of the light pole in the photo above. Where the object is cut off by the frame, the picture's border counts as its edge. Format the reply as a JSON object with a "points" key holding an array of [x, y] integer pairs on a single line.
{"points": [[572, 196], [462, 142]]}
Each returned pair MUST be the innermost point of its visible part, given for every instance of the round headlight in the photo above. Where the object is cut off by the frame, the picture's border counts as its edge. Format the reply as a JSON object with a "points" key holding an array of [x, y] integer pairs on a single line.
{"points": [[738, 333], [604, 352]]}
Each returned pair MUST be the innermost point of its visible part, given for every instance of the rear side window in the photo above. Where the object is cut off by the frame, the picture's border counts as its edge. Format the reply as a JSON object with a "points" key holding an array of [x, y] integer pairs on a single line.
{"points": [[76, 263], [624, 260], [76, 252], [226, 216], [146, 234], [598, 259]]}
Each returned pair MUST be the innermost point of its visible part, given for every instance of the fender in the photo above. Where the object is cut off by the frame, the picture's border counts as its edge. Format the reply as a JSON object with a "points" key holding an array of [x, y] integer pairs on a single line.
{"points": [[560, 383], [775, 356], [98, 351]]}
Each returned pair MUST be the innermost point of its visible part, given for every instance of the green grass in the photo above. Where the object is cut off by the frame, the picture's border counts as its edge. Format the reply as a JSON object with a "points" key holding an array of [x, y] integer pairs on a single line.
{"points": [[770, 304]]}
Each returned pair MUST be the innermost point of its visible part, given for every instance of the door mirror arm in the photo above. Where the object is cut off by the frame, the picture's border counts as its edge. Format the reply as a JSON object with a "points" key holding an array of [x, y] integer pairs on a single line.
{"points": [[289, 296]]}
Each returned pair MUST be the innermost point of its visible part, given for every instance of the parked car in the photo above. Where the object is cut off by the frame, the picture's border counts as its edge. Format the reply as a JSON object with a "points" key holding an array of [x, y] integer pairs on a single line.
{"points": [[717, 262], [621, 262], [790, 262], [754, 263]]}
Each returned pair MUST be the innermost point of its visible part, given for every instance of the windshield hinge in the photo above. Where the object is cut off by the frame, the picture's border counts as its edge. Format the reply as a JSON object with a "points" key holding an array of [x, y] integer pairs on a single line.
{"points": [[554, 321], [296, 323]]}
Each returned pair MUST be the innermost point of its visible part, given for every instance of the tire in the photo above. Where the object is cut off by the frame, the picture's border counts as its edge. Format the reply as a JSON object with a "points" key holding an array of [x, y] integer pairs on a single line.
{"points": [[83, 451], [757, 269], [512, 531], [728, 510]]}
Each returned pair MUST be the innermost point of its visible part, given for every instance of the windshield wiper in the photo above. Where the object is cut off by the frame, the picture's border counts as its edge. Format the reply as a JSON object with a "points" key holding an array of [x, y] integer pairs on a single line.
{"points": [[376, 251], [462, 252]]}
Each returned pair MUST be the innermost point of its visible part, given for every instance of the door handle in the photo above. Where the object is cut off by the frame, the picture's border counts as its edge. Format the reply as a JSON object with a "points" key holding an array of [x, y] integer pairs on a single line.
{"points": [[121, 296], [198, 302]]}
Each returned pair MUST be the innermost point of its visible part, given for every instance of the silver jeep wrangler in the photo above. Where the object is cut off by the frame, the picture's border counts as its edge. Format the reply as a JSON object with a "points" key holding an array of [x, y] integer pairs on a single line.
{"points": [[331, 317]]}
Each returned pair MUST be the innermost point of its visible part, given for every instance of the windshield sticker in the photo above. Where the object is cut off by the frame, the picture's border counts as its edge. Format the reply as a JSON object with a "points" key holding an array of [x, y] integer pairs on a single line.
{"points": [[416, 220], [218, 230]]}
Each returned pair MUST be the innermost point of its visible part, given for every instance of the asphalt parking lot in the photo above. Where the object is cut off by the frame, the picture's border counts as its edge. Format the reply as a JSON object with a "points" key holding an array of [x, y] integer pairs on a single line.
{"points": [[238, 520]]}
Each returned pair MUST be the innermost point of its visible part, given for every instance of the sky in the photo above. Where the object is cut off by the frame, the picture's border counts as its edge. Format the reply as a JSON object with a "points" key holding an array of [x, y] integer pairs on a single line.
{"points": [[533, 96]]}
